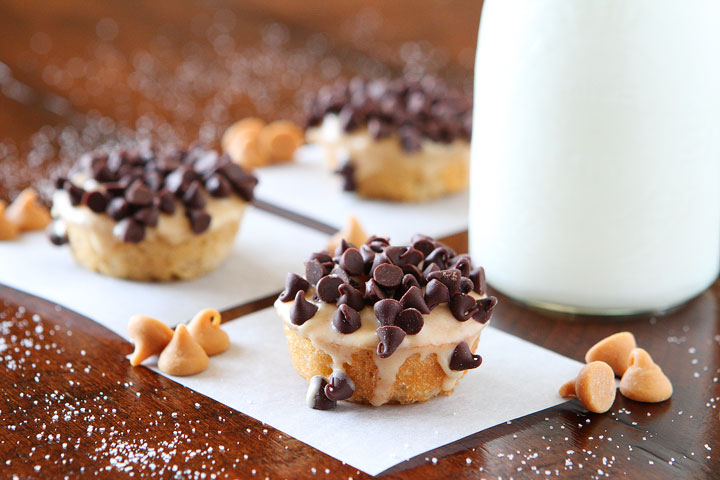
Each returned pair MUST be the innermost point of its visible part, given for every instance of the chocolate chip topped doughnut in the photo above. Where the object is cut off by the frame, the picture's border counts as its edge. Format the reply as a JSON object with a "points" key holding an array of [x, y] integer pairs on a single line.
{"points": [[400, 322], [402, 139], [150, 213]]}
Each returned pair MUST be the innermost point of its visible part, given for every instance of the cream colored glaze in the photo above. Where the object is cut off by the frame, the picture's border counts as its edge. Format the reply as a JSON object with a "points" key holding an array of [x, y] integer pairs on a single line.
{"points": [[440, 335], [173, 228]]}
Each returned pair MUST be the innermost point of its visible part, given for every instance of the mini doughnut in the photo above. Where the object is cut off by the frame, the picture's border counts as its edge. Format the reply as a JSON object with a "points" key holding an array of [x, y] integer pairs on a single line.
{"points": [[613, 350], [27, 212], [205, 329], [183, 355], [594, 387], [644, 380]]}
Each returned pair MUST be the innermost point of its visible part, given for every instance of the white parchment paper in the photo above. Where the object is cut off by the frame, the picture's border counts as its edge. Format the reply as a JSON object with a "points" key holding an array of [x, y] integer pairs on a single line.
{"points": [[266, 248], [256, 377]]}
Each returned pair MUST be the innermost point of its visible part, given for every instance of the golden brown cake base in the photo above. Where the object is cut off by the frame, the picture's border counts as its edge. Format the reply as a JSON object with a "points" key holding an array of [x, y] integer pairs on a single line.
{"points": [[153, 259], [419, 379]]}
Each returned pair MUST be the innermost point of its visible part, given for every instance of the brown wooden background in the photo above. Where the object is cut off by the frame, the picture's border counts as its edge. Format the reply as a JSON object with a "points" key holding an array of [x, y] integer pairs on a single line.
{"points": [[73, 73]]}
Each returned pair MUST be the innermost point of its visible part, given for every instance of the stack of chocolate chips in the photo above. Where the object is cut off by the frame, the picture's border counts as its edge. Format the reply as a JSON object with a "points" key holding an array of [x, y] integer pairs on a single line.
{"points": [[400, 283], [410, 109], [138, 184]]}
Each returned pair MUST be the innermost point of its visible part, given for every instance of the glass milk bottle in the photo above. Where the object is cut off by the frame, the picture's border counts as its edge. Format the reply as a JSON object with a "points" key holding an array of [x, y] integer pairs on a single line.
{"points": [[595, 179]]}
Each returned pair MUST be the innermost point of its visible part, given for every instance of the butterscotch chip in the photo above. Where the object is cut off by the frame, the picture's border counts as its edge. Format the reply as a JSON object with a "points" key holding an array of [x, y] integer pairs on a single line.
{"points": [[205, 329], [151, 336], [352, 233], [247, 126], [613, 350], [644, 380], [240, 141], [594, 387], [27, 212], [183, 355], [8, 229], [279, 140]]}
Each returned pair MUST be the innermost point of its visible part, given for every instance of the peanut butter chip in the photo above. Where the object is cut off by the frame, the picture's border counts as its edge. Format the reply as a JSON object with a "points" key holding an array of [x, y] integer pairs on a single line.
{"points": [[8, 230], [240, 141], [27, 213], [183, 355], [205, 329], [250, 126], [352, 233], [150, 336], [613, 350], [644, 381], [594, 387], [279, 140]]}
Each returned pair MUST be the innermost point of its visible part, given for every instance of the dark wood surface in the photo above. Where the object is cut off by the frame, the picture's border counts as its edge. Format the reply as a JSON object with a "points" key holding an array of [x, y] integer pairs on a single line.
{"points": [[69, 402]]}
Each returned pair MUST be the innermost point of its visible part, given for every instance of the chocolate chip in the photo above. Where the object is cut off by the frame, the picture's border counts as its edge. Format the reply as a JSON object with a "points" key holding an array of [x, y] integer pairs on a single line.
{"points": [[206, 162], [436, 293], [293, 284], [340, 386], [373, 292], [327, 288], [387, 275], [199, 220], [130, 231], [390, 337], [166, 202], [402, 256], [425, 244], [347, 172], [218, 187], [478, 278], [485, 307], [413, 298], [451, 279], [57, 233], [462, 263], [350, 296], [242, 182], [368, 256], [74, 192], [314, 271], [378, 128], [463, 359], [439, 257], [60, 182], [138, 194], [408, 281], [466, 285], [387, 310], [378, 260], [147, 216], [377, 244], [193, 196], [118, 208], [322, 257], [352, 261], [95, 201], [154, 180], [179, 180], [462, 306], [302, 310], [346, 319], [430, 269], [410, 139], [410, 320], [114, 189], [316, 398], [342, 246]]}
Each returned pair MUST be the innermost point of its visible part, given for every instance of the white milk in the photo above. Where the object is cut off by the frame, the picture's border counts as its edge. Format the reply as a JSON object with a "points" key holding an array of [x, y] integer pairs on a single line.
{"points": [[596, 151]]}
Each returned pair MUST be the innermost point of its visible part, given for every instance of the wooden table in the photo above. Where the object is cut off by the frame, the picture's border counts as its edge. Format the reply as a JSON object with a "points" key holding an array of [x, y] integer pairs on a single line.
{"points": [[76, 72]]}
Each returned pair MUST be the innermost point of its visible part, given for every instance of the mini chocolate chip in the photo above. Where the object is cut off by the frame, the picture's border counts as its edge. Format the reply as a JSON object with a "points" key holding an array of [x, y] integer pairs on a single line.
{"points": [[179, 180], [130, 230], [199, 219], [139, 194], [350, 296], [402, 256], [242, 182], [347, 172], [377, 244], [410, 320], [322, 257], [340, 386], [379, 129], [485, 307], [373, 292], [413, 298], [346, 319], [293, 284], [462, 263], [478, 278], [387, 310], [462, 306], [118, 208], [218, 186], [466, 285], [57, 233], [60, 182], [410, 139], [147, 216], [439, 256], [314, 271], [114, 189], [415, 272], [390, 337], [102, 174], [95, 201], [153, 180], [425, 244], [436, 293], [302, 310], [342, 246], [352, 261], [463, 359], [378, 260], [74, 192], [193, 196], [166, 202], [451, 279], [327, 288], [388, 275], [430, 269], [408, 281], [342, 275], [316, 398], [206, 162], [368, 256]]}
